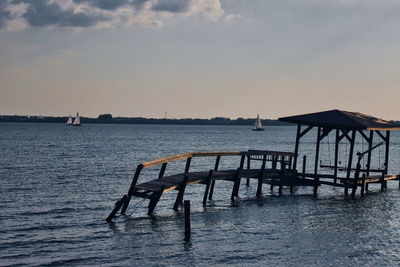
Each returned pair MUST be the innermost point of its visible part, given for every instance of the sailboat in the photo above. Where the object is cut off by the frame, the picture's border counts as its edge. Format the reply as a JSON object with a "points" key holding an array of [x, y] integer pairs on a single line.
{"points": [[69, 121], [77, 121], [257, 125]]}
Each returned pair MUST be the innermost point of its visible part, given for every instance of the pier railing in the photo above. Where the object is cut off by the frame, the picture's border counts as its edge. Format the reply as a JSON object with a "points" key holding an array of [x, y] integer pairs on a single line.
{"points": [[154, 189]]}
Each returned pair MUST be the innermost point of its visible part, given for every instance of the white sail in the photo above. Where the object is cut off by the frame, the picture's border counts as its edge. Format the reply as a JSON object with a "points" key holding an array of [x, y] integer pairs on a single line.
{"points": [[69, 122], [258, 122], [77, 120]]}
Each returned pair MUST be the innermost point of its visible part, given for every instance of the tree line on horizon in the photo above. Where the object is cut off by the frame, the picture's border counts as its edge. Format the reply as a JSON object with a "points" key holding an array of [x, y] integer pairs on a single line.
{"points": [[109, 119]]}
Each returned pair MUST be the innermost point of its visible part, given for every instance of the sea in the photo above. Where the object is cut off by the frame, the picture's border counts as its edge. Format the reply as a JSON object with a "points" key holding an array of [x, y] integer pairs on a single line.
{"points": [[59, 183]]}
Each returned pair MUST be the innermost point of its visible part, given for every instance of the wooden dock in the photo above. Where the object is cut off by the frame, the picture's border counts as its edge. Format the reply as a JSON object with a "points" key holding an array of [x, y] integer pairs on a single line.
{"points": [[279, 168], [276, 170]]}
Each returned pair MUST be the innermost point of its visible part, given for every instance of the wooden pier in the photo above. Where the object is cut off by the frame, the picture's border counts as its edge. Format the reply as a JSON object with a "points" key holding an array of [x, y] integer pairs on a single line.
{"points": [[277, 168]]}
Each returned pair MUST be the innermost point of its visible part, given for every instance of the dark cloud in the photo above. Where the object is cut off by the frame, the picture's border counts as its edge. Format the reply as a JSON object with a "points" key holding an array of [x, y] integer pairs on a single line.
{"points": [[4, 14], [42, 13], [105, 4], [173, 6]]}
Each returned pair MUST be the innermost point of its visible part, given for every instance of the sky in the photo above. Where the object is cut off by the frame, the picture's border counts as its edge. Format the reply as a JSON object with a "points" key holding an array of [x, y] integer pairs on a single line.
{"points": [[199, 58]]}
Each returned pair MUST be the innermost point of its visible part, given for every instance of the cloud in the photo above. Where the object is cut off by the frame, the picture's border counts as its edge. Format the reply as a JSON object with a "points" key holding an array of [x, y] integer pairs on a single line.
{"points": [[4, 14], [173, 6], [102, 13]]}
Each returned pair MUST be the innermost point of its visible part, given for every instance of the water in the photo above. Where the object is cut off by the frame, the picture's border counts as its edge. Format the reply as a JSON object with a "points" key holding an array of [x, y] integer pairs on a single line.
{"points": [[59, 183]]}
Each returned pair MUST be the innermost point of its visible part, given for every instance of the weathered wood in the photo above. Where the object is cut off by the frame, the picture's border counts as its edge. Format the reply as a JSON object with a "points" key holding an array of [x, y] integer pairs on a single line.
{"points": [[248, 167], [369, 155], [296, 147], [209, 178], [236, 184], [187, 220], [336, 154], [182, 185], [304, 166], [167, 159], [316, 178], [213, 181], [260, 178], [162, 170], [352, 141], [387, 151], [118, 205], [355, 182], [132, 187], [305, 131], [154, 200], [362, 185]]}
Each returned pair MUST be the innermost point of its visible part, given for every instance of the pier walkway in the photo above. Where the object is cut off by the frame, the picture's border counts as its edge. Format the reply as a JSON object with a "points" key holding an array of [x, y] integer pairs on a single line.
{"points": [[276, 170]]}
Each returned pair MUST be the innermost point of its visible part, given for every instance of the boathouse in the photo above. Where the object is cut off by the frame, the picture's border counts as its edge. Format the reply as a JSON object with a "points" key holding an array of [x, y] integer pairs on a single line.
{"points": [[278, 168]]}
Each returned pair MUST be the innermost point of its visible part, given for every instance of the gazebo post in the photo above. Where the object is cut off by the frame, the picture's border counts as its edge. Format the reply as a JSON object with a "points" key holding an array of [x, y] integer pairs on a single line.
{"points": [[296, 148], [316, 178], [352, 139], [336, 155]]}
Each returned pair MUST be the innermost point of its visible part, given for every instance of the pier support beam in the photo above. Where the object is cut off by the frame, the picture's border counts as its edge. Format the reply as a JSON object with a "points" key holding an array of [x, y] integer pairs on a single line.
{"points": [[260, 178], [352, 139], [213, 181], [154, 200], [208, 182]]}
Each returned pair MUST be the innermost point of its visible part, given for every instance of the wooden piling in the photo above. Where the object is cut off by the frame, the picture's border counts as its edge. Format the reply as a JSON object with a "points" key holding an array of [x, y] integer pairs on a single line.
{"points": [[260, 178], [363, 185], [213, 181], [208, 182], [187, 220], [118, 205]]}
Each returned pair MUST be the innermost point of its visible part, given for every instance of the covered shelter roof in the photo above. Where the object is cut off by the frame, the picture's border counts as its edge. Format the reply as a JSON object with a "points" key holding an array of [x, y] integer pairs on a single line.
{"points": [[340, 119]]}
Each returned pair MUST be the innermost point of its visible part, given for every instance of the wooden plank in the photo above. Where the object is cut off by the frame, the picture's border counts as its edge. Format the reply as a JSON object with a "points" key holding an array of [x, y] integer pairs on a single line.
{"points": [[167, 159], [217, 153]]}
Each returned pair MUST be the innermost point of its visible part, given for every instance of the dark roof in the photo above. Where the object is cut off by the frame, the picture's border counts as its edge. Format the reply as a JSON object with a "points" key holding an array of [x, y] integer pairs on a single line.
{"points": [[339, 119]]}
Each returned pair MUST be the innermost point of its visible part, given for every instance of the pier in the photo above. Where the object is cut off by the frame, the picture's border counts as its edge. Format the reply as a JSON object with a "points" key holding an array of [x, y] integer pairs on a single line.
{"points": [[277, 168]]}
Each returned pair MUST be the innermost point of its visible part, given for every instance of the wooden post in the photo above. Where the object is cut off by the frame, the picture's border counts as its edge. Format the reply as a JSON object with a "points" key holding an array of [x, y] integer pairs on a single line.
{"points": [[382, 180], [387, 152], [336, 155], [208, 182], [316, 180], [132, 187], [363, 185], [187, 220], [355, 182], [353, 137], [248, 168], [236, 184], [213, 181], [116, 208], [260, 178], [273, 166], [296, 147], [182, 186], [369, 155], [304, 166], [162, 170], [154, 200]]}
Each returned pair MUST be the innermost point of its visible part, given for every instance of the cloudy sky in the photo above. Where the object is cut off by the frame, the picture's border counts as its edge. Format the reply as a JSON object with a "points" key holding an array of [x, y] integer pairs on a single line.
{"points": [[199, 58]]}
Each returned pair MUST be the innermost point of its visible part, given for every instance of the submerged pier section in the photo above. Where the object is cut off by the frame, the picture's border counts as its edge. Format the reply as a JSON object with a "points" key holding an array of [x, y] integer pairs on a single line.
{"points": [[277, 168]]}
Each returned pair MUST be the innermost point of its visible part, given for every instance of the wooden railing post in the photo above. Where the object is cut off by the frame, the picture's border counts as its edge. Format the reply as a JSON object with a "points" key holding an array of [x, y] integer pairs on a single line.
{"points": [[213, 181], [132, 188], [182, 186]]}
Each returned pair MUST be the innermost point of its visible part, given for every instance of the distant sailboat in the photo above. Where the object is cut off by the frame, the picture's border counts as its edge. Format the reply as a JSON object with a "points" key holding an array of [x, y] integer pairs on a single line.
{"points": [[77, 121], [69, 122], [257, 125]]}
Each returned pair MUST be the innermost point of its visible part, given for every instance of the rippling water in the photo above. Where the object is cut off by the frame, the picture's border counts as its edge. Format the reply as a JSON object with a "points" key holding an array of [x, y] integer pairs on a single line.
{"points": [[59, 183]]}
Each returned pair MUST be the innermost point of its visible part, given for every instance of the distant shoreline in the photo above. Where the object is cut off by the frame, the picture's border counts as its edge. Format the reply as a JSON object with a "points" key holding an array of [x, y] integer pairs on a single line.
{"points": [[108, 119]]}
